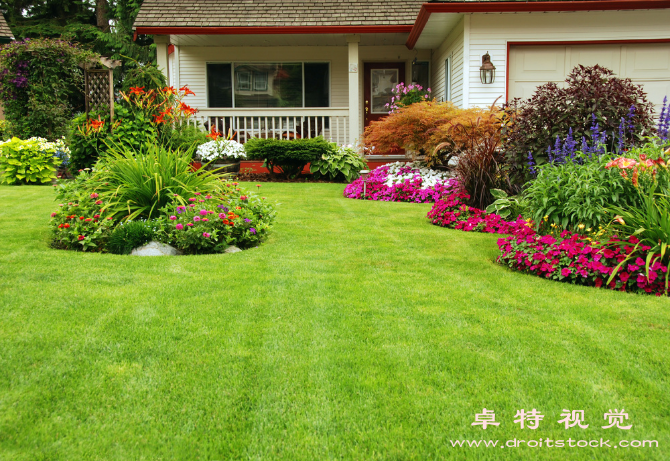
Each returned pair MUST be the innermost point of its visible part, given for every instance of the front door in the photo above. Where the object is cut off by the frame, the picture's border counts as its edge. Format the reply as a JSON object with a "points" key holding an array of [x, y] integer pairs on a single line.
{"points": [[380, 78]]}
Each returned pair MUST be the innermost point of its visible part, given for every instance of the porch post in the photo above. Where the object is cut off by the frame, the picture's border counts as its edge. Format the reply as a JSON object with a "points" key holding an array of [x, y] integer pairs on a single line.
{"points": [[161, 42], [354, 90]]}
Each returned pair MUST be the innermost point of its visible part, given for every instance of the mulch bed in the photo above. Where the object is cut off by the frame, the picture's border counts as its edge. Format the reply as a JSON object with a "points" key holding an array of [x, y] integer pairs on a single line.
{"points": [[265, 177]]}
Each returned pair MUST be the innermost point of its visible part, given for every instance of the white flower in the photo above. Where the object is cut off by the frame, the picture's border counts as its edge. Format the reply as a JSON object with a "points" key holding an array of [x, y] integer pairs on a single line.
{"points": [[429, 178], [221, 149]]}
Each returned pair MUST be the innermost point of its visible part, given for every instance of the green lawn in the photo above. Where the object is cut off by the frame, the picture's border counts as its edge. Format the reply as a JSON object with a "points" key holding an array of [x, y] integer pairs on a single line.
{"points": [[357, 331]]}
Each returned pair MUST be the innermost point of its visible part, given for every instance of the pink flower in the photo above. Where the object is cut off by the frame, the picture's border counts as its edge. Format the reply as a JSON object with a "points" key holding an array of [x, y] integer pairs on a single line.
{"points": [[205, 219], [179, 226], [192, 199], [94, 195], [172, 218], [190, 224], [565, 272], [206, 235], [198, 193], [53, 215], [196, 218], [203, 212]]}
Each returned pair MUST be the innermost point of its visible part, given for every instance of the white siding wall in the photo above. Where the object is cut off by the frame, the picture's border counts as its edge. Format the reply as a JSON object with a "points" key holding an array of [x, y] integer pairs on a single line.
{"points": [[193, 61], [491, 32], [452, 46]]}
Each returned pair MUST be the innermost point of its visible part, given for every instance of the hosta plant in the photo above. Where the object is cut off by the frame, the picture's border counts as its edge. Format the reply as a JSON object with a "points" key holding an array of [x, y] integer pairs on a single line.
{"points": [[342, 163], [30, 161]]}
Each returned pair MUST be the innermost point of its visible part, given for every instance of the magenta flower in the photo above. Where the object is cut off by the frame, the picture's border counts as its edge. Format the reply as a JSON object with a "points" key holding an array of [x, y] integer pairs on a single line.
{"points": [[252, 230], [222, 216], [179, 226], [203, 212], [565, 272], [206, 235], [205, 219], [196, 218], [94, 195], [172, 218], [190, 224], [192, 199], [53, 215]]}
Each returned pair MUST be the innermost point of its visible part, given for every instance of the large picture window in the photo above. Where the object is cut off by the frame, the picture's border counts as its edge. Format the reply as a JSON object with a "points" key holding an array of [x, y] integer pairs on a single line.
{"points": [[252, 85]]}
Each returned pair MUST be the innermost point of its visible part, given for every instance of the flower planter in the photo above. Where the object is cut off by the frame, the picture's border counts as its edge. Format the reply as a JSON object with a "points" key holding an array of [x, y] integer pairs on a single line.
{"points": [[227, 167]]}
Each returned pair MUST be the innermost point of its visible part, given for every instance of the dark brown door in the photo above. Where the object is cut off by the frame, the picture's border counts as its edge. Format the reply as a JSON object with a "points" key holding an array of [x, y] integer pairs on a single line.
{"points": [[379, 79]]}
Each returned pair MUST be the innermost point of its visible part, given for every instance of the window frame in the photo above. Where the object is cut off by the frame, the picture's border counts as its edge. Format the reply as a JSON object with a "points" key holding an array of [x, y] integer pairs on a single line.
{"points": [[447, 78], [302, 63]]}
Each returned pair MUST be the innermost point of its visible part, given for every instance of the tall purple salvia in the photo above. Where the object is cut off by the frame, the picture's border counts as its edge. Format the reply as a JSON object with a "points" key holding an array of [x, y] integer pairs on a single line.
{"points": [[622, 135], [531, 163]]}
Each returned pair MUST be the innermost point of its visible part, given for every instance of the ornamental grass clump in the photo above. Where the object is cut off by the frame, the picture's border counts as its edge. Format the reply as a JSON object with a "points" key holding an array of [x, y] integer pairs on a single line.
{"points": [[139, 186], [401, 182]]}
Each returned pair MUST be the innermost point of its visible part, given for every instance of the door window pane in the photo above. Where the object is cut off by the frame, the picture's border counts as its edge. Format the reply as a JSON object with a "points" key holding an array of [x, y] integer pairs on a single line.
{"points": [[317, 84], [421, 74], [268, 85], [382, 81], [219, 85]]}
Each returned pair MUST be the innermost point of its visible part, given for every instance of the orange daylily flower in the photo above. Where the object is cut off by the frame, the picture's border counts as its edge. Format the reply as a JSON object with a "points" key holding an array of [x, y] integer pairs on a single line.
{"points": [[214, 134], [96, 124], [137, 90], [186, 90], [186, 109]]}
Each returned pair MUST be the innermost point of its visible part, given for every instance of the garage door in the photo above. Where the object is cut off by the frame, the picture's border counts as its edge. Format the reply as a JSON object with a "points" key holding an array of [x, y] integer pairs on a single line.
{"points": [[645, 64]]}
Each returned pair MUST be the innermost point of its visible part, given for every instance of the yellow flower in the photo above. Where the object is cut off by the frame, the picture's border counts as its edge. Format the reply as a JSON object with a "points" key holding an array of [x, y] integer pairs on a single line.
{"points": [[581, 226]]}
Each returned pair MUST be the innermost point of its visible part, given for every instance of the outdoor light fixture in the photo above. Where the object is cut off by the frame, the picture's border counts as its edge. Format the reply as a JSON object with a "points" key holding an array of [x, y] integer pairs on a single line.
{"points": [[364, 177], [487, 72]]}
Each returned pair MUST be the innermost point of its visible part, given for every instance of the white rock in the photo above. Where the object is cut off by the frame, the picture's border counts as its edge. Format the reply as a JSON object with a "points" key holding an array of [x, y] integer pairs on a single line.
{"points": [[232, 249], [154, 248]]}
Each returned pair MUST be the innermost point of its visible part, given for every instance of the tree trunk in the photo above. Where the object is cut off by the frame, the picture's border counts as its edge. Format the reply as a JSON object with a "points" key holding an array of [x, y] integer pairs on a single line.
{"points": [[102, 15]]}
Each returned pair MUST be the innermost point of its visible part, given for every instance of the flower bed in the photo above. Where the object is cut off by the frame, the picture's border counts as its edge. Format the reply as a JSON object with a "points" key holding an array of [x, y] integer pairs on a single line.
{"points": [[402, 182], [451, 212], [567, 257], [576, 259]]}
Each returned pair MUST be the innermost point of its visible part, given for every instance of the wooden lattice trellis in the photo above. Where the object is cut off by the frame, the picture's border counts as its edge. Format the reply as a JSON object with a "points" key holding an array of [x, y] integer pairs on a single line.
{"points": [[100, 91]]}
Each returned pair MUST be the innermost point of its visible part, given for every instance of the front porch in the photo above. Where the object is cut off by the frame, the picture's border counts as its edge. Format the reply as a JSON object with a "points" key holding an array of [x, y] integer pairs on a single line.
{"points": [[290, 85]]}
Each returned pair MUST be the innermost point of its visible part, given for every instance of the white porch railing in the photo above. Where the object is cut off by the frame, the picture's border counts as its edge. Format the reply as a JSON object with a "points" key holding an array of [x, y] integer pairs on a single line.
{"points": [[278, 123]]}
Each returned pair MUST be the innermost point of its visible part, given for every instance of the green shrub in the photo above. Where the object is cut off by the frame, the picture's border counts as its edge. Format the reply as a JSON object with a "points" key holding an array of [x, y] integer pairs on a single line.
{"points": [[128, 236], [183, 137], [508, 207], [138, 186], [32, 161], [41, 85], [87, 141], [288, 156], [573, 194], [146, 76], [339, 164]]}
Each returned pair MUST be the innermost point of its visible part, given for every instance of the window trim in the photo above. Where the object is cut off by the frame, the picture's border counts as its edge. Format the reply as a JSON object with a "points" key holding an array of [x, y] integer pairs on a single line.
{"points": [[232, 76], [447, 79]]}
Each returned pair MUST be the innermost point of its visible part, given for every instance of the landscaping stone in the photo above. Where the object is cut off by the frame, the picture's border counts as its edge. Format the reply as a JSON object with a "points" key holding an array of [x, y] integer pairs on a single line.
{"points": [[154, 248], [232, 249]]}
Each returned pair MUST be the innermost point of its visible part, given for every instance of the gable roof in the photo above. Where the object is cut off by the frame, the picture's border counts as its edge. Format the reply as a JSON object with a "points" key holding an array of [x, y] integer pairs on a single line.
{"points": [[5, 31], [276, 13]]}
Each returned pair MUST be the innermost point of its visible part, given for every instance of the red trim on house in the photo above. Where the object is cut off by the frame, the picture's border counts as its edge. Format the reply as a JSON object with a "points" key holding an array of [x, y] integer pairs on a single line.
{"points": [[253, 166], [274, 30], [572, 42], [526, 7], [170, 49]]}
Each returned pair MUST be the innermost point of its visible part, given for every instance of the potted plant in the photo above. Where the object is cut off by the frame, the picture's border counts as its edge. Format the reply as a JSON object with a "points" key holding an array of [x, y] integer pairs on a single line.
{"points": [[221, 153]]}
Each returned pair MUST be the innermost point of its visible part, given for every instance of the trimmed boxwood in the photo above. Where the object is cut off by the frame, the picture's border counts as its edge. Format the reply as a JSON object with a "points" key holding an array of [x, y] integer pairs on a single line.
{"points": [[287, 156]]}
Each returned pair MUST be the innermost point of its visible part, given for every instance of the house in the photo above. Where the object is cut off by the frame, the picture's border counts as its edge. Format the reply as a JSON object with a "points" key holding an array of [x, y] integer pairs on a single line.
{"points": [[6, 35], [293, 68]]}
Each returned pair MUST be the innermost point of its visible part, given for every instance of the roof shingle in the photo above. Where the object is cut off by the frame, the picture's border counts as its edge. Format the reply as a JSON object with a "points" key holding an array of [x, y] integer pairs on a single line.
{"points": [[278, 13], [5, 31]]}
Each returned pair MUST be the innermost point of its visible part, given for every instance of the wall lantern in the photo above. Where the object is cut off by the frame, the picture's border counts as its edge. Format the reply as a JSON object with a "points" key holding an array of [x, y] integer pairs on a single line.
{"points": [[488, 71]]}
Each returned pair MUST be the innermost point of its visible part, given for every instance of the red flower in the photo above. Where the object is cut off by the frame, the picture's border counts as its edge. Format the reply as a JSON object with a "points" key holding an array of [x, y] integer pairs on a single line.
{"points": [[81, 237], [82, 217], [66, 225], [98, 202], [96, 125]]}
